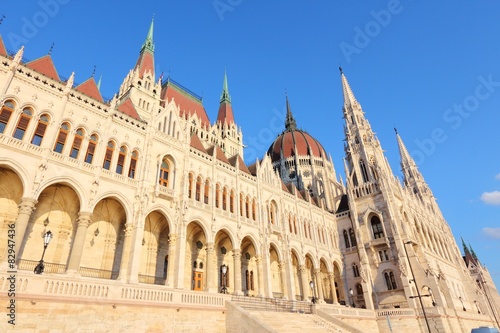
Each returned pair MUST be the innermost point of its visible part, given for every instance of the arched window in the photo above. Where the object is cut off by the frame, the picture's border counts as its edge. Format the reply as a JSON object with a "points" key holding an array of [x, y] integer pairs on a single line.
{"points": [[355, 270], [40, 130], [198, 189], [61, 138], [295, 225], [359, 289], [23, 123], [231, 202], [346, 239], [251, 281], [305, 230], [378, 231], [364, 173], [133, 164], [352, 236], [290, 224], [254, 210], [206, 191], [190, 186], [272, 213], [164, 172], [224, 198], [241, 204], [5, 114], [110, 149], [247, 207], [121, 160], [390, 281], [217, 196], [77, 142], [89, 155]]}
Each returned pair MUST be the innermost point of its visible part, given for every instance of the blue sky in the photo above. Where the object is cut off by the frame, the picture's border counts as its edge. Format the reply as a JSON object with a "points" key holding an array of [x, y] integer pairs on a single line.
{"points": [[431, 69]]}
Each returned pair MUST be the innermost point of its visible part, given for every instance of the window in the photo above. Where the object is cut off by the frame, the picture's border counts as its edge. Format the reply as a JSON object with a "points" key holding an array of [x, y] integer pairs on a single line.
{"points": [[77, 142], [40, 130], [61, 138], [164, 172], [352, 236], [217, 196], [383, 255], [254, 210], [359, 289], [133, 164], [247, 207], [231, 202], [241, 204], [121, 160], [23, 123], [190, 186], [355, 270], [224, 198], [378, 231], [272, 213], [109, 155], [364, 173], [346, 239], [89, 155], [198, 189], [206, 191], [390, 281], [7, 110]]}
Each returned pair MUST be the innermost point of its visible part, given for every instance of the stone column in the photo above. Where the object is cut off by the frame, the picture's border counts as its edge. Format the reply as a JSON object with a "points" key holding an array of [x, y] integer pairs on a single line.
{"points": [[172, 244], [26, 207], [318, 284], [136, 248], [125, 253], [211, 268], [237, 272], [331, 278], [78, 244], [284, 287], [305, 282], [260, 276]]}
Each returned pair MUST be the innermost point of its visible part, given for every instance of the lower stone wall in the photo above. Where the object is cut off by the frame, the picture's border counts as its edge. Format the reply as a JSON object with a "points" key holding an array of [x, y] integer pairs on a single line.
{"points": [[54, 316]]}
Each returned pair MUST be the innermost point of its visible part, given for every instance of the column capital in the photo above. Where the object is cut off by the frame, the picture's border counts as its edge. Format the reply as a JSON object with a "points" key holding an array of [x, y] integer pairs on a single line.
{"points": [[84, 219], [172, 238], [129, 228], [27, 205], [237, 255]]}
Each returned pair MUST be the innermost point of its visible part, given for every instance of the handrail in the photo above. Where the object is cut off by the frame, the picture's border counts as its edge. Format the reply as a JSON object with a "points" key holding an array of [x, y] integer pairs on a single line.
{"points": [[272, 304]]}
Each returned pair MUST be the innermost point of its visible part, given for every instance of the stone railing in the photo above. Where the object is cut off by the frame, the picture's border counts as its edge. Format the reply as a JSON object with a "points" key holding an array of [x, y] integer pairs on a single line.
{"points": [[29, 265], [98, 273]]}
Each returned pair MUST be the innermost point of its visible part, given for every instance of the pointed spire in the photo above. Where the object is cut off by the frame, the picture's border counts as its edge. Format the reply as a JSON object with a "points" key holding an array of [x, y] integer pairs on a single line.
{"points": [[145, 62], [464, 246], [225, 90], [349, 98], [225, 114], [290, 124], [99, 83], [148, 43]]}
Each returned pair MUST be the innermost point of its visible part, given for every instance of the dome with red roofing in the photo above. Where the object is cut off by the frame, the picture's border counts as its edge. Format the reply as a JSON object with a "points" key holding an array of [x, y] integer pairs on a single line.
{"points": [[294, 142]]}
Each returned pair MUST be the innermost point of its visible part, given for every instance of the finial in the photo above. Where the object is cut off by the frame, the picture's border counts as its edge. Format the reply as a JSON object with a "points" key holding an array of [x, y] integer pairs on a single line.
{"points": [[1, 19], [396, 130], [99, 83], [341, 71], [51, 48], [93, 72]]}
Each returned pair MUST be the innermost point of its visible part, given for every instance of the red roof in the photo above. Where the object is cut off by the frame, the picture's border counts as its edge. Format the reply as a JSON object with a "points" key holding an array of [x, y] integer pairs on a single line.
{"points": [[90, 89], [3, 51], [45, 66], [128, 108], [196, 143], [188, 103], [241, 164], [225, 113], [295, 142], [145, 62]]}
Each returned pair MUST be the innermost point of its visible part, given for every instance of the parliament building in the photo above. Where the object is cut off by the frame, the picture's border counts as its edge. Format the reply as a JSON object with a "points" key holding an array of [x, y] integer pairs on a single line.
{"points": [[158, 224]]}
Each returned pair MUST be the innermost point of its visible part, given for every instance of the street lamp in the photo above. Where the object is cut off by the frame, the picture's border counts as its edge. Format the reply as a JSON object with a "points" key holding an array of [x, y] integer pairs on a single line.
{"points": [[461, 301], [351, 295], [313, 299], [46, 240], [224, 271], [416, 286]]}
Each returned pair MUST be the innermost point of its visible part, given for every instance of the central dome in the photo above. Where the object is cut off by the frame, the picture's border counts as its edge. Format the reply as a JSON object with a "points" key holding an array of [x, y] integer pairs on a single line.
{"points": [[293, 142]]}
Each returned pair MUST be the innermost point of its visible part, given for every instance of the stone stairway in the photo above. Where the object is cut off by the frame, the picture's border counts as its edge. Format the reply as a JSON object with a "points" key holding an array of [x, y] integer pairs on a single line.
{"points": [[283, 322]]}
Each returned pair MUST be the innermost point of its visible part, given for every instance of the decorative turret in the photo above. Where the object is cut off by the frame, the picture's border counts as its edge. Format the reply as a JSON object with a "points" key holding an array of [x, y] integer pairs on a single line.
{"points": [[146, 62], [290, 124], [225, 114]]}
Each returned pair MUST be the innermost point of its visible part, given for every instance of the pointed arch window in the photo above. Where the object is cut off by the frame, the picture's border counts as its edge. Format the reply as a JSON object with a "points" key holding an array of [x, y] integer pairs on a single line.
{"points": [[224, 198], [272, 213], [217, 196], [254, 210], [231, 202], [378, 231], [5, 114], [206, 191], [61, 138], [241, 204], [89, 155], [23, 123], [346, 239], [364, 173], [290, 224], [121, 160], [190, 186], [133, 164], [41, 127], [198, 188], [110, 149], [352, 237], [390, 281], [355, 270], [77, 143], [359, 289], [247, 207], [164, 173]]}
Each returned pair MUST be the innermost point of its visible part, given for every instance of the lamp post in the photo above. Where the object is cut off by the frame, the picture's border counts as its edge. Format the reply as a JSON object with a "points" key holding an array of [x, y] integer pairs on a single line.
{"points": [[416, 286], [432, 297], [46, 240], [351, 295], [224, 272], [313, 299], [461, 301]]}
